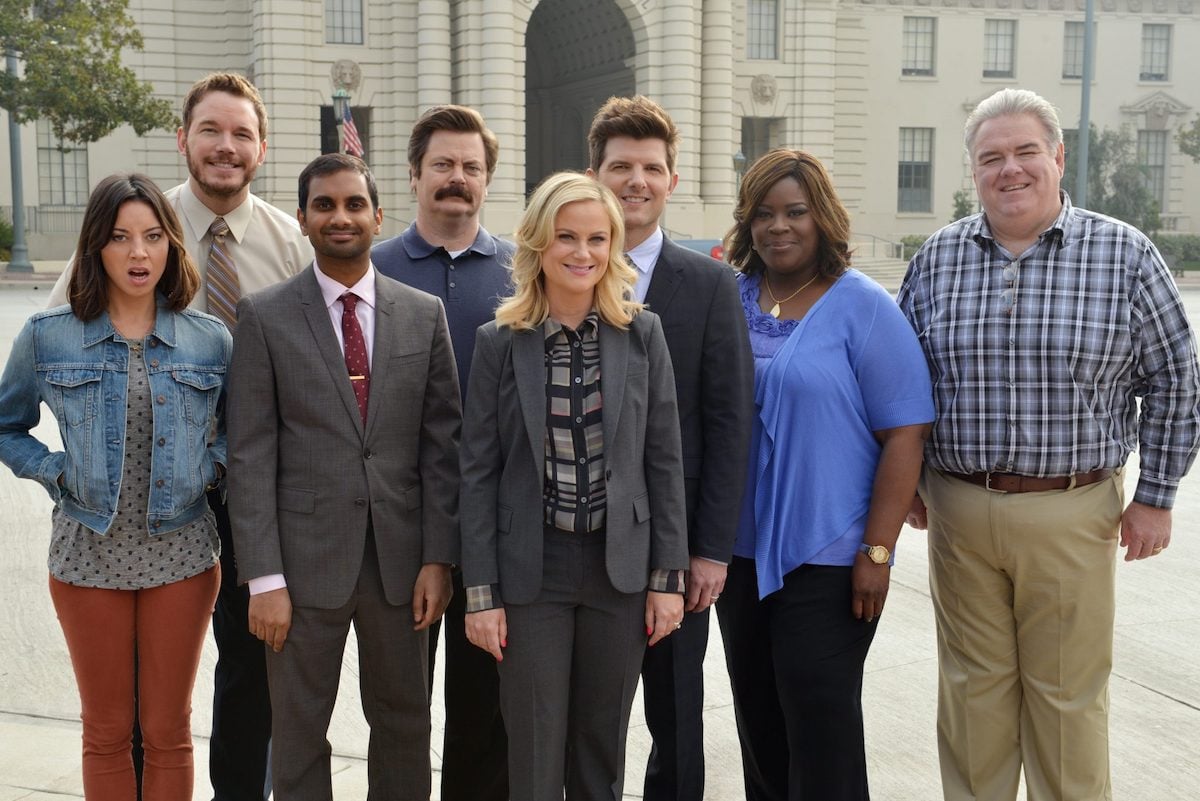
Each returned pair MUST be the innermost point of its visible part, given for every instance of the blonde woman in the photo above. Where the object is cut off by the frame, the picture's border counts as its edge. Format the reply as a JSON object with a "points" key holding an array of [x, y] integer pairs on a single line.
{"points": [[574, 538]]}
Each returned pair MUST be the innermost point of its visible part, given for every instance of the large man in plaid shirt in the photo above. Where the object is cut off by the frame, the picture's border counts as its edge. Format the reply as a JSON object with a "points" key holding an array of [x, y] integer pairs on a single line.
{"points": [[1043, 324]]}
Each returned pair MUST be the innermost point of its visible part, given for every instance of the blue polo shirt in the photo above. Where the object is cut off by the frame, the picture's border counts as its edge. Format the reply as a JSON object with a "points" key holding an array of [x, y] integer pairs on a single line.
{"points": [[471, 286]]}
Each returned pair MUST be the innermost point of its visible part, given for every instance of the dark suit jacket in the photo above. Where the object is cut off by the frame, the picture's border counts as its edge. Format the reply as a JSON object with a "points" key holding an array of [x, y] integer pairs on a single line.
{"points": [[697, 299], [303, 472], [504, 455]]}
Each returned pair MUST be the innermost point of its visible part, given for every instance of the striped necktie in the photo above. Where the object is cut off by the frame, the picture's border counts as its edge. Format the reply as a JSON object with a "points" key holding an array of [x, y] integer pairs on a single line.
{"points": [[221, 281]]}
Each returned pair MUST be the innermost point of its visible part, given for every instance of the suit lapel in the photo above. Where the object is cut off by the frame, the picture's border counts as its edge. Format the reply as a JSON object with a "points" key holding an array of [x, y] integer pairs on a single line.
{"points": [[665, 282], [614, 366], [319, 324], [386, 321], [529, 367]]}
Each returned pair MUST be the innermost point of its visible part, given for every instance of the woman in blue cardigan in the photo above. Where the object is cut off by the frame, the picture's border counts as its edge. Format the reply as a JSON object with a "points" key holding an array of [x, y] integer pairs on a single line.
{"points": [[843, 403]]}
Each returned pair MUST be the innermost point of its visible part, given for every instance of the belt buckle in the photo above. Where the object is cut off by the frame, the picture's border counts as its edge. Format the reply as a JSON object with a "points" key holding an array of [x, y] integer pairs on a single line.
{"points": [[987, 484]]}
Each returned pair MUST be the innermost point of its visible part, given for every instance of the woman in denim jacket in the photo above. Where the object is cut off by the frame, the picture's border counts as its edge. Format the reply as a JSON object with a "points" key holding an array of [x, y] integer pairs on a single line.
{"points": [[135, 380]]}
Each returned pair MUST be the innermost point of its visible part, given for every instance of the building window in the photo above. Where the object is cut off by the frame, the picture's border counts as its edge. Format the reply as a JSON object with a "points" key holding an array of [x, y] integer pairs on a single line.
{"points": [[919, 45], [999, 46], [916, 170], [760, 134], [762, 29], [1156, 52], [1152, 156], [1073, 50], [62, 169], [343, 22], [329, 131]]}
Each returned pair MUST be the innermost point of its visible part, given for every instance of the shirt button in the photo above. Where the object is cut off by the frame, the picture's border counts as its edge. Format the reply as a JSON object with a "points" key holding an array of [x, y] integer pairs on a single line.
{"points": [[578, 380], [160, 400], [575, 343], [452, 285], [162, 440], [583, 499], [360, 502], [154, 362], [160, 483], [583, 460], [578, 419], [154, 343]]}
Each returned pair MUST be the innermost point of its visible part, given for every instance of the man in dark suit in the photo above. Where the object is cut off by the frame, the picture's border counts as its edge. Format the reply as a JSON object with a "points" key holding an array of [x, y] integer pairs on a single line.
{"points": [[345, 412], [632, 148]]}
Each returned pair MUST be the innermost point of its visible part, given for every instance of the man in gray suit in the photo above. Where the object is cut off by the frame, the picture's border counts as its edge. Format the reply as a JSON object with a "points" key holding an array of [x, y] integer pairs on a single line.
{"points": [[344, 414], [632, 146]]}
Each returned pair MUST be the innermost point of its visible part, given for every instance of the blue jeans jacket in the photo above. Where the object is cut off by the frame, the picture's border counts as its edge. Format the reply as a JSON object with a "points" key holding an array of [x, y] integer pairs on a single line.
{"points": [[81, 372]]}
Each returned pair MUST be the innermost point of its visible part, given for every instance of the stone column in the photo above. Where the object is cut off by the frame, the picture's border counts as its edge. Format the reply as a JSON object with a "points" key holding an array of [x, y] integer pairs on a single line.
{"points": [[434, 72], [717, 138]]}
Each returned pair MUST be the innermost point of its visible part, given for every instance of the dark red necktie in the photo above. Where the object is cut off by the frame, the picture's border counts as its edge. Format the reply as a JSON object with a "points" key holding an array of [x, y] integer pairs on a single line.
{"points": [[356, 353]]}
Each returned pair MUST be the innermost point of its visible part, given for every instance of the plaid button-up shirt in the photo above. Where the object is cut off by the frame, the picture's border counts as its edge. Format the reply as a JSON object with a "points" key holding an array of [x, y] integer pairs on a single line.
{"points": [[1038, 360], [574, 493]]}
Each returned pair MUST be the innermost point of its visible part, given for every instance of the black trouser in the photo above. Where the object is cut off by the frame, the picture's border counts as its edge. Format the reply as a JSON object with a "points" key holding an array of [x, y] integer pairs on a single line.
{"points": [[241, 733], [475, 750], [795, 664], [673, 692]]}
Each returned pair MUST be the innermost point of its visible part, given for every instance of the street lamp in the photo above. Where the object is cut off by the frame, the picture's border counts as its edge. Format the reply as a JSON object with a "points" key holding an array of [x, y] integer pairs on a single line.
{"points": [[739, 166], [341, 102], [19, 261]]}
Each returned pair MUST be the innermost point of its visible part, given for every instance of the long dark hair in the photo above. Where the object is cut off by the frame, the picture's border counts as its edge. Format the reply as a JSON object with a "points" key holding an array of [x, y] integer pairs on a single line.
{"points": [[831, 217], [88, 290]]}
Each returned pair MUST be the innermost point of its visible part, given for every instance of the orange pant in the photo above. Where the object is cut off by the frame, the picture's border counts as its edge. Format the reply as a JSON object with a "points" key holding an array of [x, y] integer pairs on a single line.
{"points": [[167, 624]]}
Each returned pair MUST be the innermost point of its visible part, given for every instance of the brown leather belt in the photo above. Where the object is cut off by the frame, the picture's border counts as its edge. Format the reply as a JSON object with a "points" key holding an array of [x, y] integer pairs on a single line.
{"points": [[1012, 482]]}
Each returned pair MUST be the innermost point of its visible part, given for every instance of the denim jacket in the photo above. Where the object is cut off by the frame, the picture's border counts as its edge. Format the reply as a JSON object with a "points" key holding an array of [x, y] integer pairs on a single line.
{"points": [[81, 372]]}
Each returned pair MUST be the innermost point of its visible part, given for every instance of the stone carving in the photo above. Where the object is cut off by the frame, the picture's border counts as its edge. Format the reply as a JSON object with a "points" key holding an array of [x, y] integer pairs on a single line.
{"points": [[764, 88], [346, 74]]}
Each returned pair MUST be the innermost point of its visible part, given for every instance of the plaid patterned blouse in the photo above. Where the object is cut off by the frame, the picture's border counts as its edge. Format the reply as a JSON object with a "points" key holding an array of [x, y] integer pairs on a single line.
{"points": [[1037, 361], [574, 490]]}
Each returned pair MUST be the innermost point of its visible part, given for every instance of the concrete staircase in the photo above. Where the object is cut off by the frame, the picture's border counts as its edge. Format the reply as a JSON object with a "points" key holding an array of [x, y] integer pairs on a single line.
{"points": [[887, 271]]}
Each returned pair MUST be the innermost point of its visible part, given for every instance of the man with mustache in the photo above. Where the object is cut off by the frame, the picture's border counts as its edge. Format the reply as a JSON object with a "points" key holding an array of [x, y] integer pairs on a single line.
{"points": [[446, 252], [224, 141]]}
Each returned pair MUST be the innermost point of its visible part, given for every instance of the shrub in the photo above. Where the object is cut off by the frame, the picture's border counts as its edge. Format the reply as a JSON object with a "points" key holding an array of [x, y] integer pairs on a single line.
{"points": [[6, 239], [911, 244], [1180, 251]]}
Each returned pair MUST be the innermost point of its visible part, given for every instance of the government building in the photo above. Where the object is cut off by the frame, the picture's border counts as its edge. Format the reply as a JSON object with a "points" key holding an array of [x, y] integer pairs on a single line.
{"points": [[878, 89]]}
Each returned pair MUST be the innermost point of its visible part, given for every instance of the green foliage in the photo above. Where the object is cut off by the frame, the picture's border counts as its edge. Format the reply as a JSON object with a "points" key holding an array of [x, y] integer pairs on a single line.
{"points": [[6, 239], [911, 244], [1180, 251], [964, 205], [1189, 139], [73, 78], [1116, 183]]}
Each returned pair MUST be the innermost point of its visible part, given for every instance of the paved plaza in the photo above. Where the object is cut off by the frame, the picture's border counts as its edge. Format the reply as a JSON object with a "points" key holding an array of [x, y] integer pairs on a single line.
{"points": [[1155, 694]]}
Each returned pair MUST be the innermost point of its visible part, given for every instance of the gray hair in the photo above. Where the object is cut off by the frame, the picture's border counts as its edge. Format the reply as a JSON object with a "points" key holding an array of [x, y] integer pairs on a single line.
{"points": [[1014, 101]]}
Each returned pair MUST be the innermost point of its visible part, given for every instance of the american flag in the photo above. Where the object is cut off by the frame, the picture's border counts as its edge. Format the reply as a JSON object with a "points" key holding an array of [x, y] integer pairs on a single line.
{"points": [[350, 140]]}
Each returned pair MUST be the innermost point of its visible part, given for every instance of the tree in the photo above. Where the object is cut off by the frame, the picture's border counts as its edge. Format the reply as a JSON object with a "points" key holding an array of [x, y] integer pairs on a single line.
{"points": [[1189, 139], [73, 76], [964, 205], [1117, 183]]}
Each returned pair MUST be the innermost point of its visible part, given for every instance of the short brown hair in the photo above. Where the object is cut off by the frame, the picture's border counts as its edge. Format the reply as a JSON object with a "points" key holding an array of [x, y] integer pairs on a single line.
{"points": [[831, 217], [637, 117], [88, 289], [230, 83], [457, 119]]}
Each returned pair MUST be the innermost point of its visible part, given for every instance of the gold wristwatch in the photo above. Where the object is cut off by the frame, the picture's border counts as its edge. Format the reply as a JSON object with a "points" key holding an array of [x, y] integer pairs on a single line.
{"points": [[876, 553]]}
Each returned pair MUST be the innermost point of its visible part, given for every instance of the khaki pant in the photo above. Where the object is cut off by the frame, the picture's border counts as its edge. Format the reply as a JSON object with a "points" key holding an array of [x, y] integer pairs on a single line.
{"points": [[1023, 594]]}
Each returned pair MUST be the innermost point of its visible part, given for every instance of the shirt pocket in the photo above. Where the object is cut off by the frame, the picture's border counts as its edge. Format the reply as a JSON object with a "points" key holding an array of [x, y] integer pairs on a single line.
{"points": [[75, 396], [199, 391]]}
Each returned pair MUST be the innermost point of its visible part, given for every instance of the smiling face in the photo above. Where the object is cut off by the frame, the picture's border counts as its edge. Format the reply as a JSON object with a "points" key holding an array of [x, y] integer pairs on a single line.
{"points": [[1017, 175], [222, 148], [452, 181], [340, 220], [136, 254], [637, 173], [577, 257], [783, 230]]}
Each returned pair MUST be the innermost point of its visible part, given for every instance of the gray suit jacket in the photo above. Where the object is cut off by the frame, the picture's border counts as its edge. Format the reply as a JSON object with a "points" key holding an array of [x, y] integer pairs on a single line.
{"points": [[504, 455], [701, 310], [304, 475]]}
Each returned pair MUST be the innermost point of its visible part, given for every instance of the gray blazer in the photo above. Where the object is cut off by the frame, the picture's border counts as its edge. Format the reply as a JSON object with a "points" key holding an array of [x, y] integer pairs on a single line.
{"points": [[504, 455], [303, 472]]}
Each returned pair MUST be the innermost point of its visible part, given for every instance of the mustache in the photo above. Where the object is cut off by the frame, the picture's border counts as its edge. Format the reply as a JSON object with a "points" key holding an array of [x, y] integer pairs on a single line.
{"points": [[454, 190]]}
